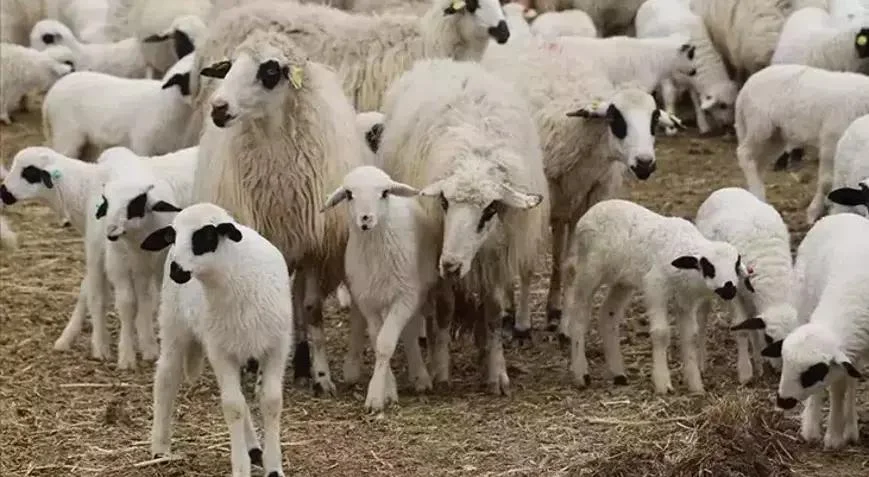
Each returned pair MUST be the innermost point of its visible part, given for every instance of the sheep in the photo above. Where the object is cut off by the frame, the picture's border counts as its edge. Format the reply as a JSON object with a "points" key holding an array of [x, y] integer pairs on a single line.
{"points": [[851, 170], [712, 92], [8, 237], [152, 21], [99, 110], [811, 37], [628, 247], [756, 229], [591, 133], [391, 266], [848, 9], [226, 294], [611, 17], [23, 70], [86, 17], [796, 106], [282, 133], [477, 162], [123, 58], [827, 351], [551, 25], [184, 32]]}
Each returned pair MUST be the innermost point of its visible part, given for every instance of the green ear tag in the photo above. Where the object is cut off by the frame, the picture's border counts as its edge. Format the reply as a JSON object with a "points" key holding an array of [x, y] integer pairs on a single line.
{"points": [[55, 174]]}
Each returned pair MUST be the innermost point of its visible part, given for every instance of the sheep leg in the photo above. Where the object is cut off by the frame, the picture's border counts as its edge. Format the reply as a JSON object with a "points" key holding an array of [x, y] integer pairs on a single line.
{"points": [[98, 290], [444, 309], [167, 382], [826, 157], [522, 328], [834, 439], [688, 347], [553, 300], [416, 368], [271, 403], [497, 380], [655, 295], [744, 367], [810, 427], [314, 314], [147, 294], [380, 391], [234, 409], [302, 353], [669, 94], [125, 304], [702, 120], [611, 315], [356, 348], [702, 320], [577, 305], [745, 155], [76, 321], [254, 451], [852, 430]]}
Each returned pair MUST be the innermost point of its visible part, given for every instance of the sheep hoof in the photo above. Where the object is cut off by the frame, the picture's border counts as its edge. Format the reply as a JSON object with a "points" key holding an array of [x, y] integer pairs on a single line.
{"points": [[782, 162], [302, 361], [423, 342], [522, 335], [276, 473], [563, 340], [620, 380], [256, 457], [553, 318]]}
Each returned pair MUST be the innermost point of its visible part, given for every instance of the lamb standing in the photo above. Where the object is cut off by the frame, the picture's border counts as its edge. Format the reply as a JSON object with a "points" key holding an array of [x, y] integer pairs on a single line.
{"points": [[812, 37], [8, 238], [851, 170], [23, 70]]}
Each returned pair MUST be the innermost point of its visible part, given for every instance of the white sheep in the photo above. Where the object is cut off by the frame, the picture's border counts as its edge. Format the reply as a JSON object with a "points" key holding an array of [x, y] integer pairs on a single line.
{"points": [[268, 180], [391, 266], [226, 294], [812, 37], [23, 70], [628, 247], [792, 106], [477, 161], [8, 237], [848, 9], [123, 58], [99, 110], [551, 25], [86, 17], [611, 17], [851, 170], [826, 352], [152, 21], [756, 229]]}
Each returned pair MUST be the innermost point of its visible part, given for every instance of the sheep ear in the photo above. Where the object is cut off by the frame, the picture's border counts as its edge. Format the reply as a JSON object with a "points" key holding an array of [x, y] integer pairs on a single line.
{"points": [[182, 43], [156, 38], [46, 179], [159, 239], [402, 190], [520, 200], [335, 198], [750, 324], [686, 262], [669, 120], [596, 109], [773, 350], [849, 196], [229, 231], [748, 284], [163, 206], [432, 190], [182, 80], [455, 7], [217, 70], [851, 370]]}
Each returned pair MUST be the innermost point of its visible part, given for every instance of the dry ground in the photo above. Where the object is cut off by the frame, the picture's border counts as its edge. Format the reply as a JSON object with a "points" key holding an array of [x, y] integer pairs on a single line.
{"points": [[66, 414]]}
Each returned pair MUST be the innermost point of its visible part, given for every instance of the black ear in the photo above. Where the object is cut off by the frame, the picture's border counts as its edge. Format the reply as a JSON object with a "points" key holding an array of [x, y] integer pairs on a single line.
{"points": [[851, 370], [182, 80], [217, 70], [816, 372], [373, 136], [163, 206], [103, 208], [46, 179], [748, 284], [707, 268], [136, 207], [848, 196], [157, 38], [183, 44], [773, 350], [159, 239], [749, 324], [686, 262], [205, 240], [229, 231]]}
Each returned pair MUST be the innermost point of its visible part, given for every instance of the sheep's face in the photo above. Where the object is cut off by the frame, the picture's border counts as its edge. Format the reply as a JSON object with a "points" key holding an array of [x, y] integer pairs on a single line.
{"points": [[179, 76], [685, 65], [852, 196], [632, 118], [63, 60], [48, 33], [32, 176], [127, 207], [368, 192], [718, 102], [479, 19], [721, 269]]}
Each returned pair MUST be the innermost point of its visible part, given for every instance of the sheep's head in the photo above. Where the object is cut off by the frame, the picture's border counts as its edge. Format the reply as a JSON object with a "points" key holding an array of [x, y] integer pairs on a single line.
{"points": [[811, 359], [475, 200], [851, 196], [478, 18], [62, 58], [262, 71], [32, 176], [197, 233], [179, 75], [720, 267], [632, 117], [49, 32], [367, 191], [719, 102], [128, 205], [184, 31], [775, 323]]}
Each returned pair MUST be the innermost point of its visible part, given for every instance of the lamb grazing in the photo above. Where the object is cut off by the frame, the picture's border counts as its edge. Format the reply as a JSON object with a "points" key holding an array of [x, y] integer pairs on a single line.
{"points": [[8, 238], [477, 154], [86, 17], [123, 58], [370, 125], [591, 133], [793, 106], [100, 110], [712, 91], [756, 229], [392, 267], [628, 247], [226, 294], [551, 25], [851, 170], [827, 351], [23, 70], [152, 21], [284, 134], [812, 37]]}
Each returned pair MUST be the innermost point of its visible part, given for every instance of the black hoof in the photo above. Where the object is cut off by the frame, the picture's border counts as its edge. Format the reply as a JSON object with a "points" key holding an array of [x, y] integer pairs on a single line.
{"points": [[67, 224], [782, 162], [508, 321], [620, 380], [553, 318], [302, 361], [423, 342], [522, 335], [563, 340], [256, 456], [586, 379], [274, 473]]}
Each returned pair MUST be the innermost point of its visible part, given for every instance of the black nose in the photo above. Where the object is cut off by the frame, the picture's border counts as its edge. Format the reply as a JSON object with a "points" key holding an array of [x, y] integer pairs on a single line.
{"points": [[178, 274], [692, 72], [220, 115], [7, 196], [728, 291], [366, 218], [452, 269], [500, 33], [643, 168], [785, 403], [364, 226], [113, 238], [47, 38]]}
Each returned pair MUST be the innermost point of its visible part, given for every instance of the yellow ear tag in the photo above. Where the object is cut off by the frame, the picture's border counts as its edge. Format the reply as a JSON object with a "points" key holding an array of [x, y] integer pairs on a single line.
{"points": [[862, 40], [458, 4], [595, 105], [296, 74]]}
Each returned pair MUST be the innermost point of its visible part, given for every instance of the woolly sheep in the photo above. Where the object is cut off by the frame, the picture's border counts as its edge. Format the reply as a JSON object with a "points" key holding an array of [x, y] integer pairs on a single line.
{"points": [[827, 351], [99, 110], [85, 17], [756, 229], [629, 247], [811, 37], [123, 58], [268, 180], [551, 25], [226, 294], [586, 155], [23, 70], [796, 106], [477, 162], [851, 170]]}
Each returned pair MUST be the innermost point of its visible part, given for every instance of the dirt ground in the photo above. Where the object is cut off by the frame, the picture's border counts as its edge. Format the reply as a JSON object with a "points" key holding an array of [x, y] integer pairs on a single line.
{"points": [[67, 414]]}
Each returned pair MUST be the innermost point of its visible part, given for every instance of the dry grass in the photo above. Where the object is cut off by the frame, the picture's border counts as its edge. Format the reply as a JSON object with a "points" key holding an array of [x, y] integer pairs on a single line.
{"points": [[66, 414]]}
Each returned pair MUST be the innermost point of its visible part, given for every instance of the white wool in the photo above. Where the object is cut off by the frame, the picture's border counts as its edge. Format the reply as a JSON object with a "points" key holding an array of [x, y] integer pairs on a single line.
{"points": [[849, 9], [812, 37], [628, 247], [8, 237], [23, 70], [551, 25], [610, 17], [851, 170], [87, 18], [150, 18]]}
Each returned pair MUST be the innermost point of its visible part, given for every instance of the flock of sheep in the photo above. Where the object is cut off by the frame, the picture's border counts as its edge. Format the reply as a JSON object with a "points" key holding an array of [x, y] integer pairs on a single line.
{"points": [[422, 154]]}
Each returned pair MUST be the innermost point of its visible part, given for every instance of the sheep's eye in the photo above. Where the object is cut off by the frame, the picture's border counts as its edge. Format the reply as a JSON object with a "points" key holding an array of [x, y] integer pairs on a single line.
{"points": [[31, 174], [488, 213], [444, 203], [722, 106], [67, 62], [48, 39], [349, 195], [269, 74], [385, 194]]}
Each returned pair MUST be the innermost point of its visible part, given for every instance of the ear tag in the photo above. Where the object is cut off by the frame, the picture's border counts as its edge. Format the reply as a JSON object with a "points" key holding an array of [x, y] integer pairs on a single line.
{"points": [[862, 40], [458, 4], [55, 174], [296, 76], [750, 270]]}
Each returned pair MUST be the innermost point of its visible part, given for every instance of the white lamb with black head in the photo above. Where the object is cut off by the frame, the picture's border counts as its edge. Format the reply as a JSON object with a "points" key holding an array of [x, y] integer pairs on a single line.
{"points": [[226, 294], [629, 247], [851, 170], [827, 352]]}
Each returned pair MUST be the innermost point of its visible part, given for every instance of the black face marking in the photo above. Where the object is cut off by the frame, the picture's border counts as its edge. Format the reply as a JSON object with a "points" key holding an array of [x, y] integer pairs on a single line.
{"points": [[217, 70], [488, 213], [686, 262], [656, 116], [182, 80], [618, 125], [178, 274], [182, 43], [204, 240], [48, 38], [136, 207], [159, 239], [727, 292], [103, 208], [32, 174], [7, 196], [445, 204], [707, 268], [269, 74], [773, 350], [816, 373], [372, 137]]}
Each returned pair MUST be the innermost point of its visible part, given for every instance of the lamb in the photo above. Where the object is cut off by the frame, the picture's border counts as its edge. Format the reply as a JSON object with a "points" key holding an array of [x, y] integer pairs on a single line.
{"points": [[8, 237], [100, 110], [123, 58], [391, 266], [184, 32], [86, 18], [551, 25], [851, 170], [611, 17], [712, 92], [23, 70], [477, 161], [812, 37], [827, 351], [226, 294], [151, 21], [283, 134], [756, 229], [591, 133], [796, 106], [629, 247]]}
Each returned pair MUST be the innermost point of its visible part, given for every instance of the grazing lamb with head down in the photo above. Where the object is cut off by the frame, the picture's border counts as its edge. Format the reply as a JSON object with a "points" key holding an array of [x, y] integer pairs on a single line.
{"points": [[629, 247], [466, 139], [812, 37], [851, 170], [23, 70], [226, 293], [827, 352], [756, 229], [283, 134]]}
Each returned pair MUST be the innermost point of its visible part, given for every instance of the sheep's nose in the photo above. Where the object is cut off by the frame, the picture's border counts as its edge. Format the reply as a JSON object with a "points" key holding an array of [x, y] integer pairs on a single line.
{"points": [[500, 32], [644, 166], [7, 196], [220, 113], [48, 38], [727, 292], [451, 269], [366, 218], [178, 274], [785, 403]]}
